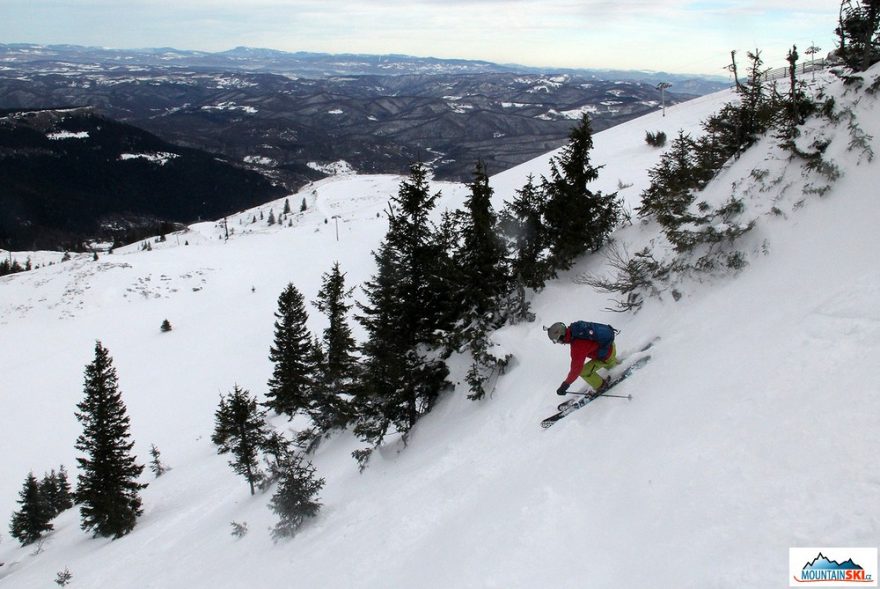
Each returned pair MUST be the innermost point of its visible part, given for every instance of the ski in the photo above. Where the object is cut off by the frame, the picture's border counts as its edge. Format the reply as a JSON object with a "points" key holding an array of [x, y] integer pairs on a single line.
{"points": [[573, 405]]}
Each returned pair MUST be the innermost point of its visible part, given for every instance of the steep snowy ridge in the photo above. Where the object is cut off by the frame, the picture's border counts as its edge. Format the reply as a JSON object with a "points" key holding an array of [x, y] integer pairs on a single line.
{"points": [[752, 428]]}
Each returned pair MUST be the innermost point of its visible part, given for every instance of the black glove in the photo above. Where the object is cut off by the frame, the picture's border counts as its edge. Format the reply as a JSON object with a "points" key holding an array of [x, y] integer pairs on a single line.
{"points": [[563, 389]]}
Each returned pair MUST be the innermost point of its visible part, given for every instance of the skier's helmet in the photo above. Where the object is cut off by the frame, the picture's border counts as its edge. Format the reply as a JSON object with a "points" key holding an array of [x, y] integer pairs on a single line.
{"points": [[556, 332]]}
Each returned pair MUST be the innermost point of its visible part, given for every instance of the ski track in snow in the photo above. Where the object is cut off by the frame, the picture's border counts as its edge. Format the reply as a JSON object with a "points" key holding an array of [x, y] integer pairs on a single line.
{"points": [[752, 429]]}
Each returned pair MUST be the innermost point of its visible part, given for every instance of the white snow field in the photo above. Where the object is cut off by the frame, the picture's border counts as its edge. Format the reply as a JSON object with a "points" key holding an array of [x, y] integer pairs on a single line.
{"points": [[754, 427]]}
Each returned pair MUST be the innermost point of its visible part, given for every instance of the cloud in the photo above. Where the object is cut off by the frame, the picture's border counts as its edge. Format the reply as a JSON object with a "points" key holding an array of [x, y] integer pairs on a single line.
{"points": [[656, 34]]}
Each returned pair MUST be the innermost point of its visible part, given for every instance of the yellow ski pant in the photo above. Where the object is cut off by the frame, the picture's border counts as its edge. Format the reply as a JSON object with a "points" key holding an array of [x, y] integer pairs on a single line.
{"points": [[589, 372]]}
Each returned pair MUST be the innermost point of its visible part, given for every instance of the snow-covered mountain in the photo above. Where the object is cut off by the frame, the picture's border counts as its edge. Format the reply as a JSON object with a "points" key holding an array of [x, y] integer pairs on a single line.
{"points": [[752, 429]]}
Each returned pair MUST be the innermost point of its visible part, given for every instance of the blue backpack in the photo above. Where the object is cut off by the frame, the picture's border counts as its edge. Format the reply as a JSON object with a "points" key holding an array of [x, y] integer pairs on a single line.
{"points": [[597, 332]]}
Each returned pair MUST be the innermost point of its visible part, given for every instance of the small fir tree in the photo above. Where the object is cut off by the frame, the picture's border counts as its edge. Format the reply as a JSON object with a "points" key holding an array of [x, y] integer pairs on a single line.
{"points": [[655, 139], [62, 579], [292, 354], [107, 487], [240, 430], [34, 518], [239, 530], [275, 446], [295, 499], [166, 326], [55, 488], [156, 464], [672, 181]]}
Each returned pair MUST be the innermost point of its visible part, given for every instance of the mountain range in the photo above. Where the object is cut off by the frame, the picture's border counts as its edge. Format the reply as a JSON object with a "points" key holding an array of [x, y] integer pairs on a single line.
{"points": [[292, 118], [289, 114]]}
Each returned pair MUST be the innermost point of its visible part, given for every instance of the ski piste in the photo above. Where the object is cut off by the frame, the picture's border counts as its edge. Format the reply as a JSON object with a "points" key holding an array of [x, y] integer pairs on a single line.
{"points": [[571, 405]]}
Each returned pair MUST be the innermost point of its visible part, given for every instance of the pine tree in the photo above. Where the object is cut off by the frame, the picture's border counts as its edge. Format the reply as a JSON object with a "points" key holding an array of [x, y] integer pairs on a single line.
{"points": [[295, 499], [403, 370], [34, 518], [274, 447], [857, 30], [292, 354], [107, 487], [339, 344], [484, 281], [672, 180], [523, 230], [156, 464], [335, 355], [64, 499], [577, 219], [240, 430], [55, 489], [481, 255], [62, 579]]}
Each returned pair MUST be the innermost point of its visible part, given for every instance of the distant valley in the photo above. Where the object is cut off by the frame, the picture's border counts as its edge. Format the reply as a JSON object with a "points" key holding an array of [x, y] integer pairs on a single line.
{"points": [[284, 112], [294, 117]]}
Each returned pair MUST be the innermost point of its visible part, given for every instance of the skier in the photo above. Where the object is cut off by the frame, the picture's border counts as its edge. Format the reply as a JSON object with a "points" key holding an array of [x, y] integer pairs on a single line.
{"points": [[587, 340]]}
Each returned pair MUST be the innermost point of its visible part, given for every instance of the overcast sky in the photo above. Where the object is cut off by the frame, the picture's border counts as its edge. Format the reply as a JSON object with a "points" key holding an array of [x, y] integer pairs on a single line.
{"points": [[670, 35]]}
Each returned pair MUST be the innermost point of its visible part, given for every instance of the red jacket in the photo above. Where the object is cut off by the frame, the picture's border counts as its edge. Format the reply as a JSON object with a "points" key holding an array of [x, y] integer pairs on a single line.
{"points": [[581, 349]]}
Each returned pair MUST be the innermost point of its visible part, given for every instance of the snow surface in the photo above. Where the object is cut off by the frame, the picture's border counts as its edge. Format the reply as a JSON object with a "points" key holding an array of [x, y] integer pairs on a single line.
{"points": [[752, 429]]}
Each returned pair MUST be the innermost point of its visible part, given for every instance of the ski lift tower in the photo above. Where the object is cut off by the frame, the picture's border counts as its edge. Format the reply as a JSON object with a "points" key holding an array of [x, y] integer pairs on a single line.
{"points": [[662, 86]]}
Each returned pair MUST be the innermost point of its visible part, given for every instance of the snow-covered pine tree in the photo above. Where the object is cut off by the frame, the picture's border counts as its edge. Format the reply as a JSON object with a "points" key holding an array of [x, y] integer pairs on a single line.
{"points": [[480, 256], [522, 227], [275, 447], [403, 369], [292, 355], [523, 231], [672, 181], [759, 105], [483, 281], [295, 499], [107, 487], [62, 579], [34, 518], [857, 32], [240, 430], [577, 220]]}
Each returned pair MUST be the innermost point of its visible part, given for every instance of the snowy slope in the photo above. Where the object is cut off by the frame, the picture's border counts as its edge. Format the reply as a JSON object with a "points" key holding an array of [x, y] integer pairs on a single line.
{"points": [[752, 428]]}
